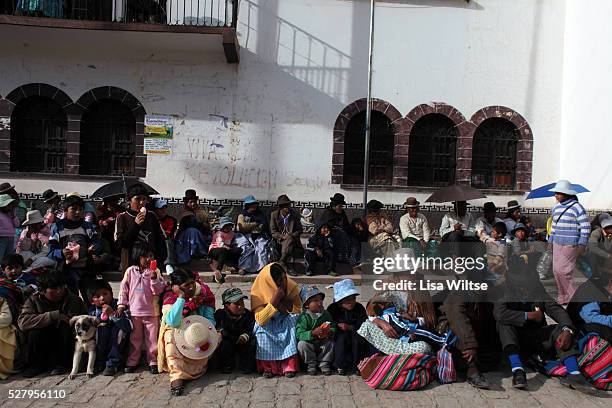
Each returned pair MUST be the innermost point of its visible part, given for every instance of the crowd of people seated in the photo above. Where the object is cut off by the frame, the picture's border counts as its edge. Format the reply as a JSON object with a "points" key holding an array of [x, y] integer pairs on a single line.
{"points": [[51, 274]]}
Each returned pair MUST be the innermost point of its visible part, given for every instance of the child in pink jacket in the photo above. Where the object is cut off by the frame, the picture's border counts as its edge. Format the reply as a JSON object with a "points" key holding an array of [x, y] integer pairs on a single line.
{"points": [[139, 292]]}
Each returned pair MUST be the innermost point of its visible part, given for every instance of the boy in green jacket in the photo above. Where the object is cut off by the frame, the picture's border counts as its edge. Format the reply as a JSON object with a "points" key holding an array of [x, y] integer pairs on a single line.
{"points": [[315, 332]]}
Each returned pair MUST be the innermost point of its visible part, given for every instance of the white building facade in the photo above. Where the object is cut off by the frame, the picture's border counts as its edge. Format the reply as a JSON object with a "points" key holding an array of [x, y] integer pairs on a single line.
{"points": [[503, 95]]}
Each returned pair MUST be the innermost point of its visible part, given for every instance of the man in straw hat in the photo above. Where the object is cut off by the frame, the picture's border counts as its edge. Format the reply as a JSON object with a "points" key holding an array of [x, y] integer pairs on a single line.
{"points": [[414, 227], [286, 229], [569, 236]]}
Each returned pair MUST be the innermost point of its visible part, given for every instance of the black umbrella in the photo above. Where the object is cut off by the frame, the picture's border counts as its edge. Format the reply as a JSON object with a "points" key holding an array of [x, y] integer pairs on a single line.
{"points": [[119, 188], [455, 192]]}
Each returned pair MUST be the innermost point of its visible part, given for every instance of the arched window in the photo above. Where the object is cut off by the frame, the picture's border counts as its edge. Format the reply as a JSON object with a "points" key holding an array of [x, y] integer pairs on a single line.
{"points": [[494, 154], [432, 151], [38, 136], [382, 136], [108, 129]]}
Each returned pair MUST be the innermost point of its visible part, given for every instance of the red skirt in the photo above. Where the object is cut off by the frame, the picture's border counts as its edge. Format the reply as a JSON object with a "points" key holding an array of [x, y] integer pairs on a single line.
{"points": [[279, 367]]}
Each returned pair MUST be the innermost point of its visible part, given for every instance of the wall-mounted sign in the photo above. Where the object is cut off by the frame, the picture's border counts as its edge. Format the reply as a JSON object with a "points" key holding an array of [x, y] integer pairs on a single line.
{"points": [[158, 131]]}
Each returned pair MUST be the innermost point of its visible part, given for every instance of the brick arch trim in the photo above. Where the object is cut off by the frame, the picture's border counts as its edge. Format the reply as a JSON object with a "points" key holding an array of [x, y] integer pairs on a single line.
{"points": [[39, 89], [342, 122], [464, 146], [138, 110], [524, 153]]}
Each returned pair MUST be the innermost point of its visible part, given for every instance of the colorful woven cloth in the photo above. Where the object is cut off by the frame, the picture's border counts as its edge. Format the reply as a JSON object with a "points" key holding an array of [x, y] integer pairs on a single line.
{"points": [[398, 372], [595, 362]]}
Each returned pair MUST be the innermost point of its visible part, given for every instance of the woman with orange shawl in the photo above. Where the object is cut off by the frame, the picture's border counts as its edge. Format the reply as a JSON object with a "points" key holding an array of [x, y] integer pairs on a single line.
{"points": [[275, 300]]}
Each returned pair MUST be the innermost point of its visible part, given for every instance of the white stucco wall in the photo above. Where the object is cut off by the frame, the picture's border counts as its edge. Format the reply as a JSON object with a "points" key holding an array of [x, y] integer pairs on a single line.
{"points": [[587, 100], [301, 63]]}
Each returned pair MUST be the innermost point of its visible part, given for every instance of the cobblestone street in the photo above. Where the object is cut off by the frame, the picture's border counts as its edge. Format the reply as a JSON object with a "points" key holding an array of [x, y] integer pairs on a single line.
{"points": [[145, 390], [142, 389]]}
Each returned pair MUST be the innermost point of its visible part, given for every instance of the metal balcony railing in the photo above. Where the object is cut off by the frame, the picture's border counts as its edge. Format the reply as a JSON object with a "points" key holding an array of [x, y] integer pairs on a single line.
{"points": [[198, 13]]}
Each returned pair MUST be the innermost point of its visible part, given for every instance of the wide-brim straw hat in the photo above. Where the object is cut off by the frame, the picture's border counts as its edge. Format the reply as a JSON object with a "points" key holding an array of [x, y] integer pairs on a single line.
{"points": [[196, 338], [33, 217], [564, 187]]}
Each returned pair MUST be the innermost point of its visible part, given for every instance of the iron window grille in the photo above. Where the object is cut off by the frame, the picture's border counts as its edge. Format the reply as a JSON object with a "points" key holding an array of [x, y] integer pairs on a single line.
{"points": [[494, 154], [382, 141], [108, 129], [432, 151], [38, 136]]}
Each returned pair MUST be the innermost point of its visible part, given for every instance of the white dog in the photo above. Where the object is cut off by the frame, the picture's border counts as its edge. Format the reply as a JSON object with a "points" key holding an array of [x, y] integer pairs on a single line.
{"points": [[85, 327]]}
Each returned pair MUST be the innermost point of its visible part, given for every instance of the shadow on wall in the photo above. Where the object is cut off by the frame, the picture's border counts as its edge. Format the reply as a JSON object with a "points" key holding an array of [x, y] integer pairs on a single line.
{"points": [[339, 74]]}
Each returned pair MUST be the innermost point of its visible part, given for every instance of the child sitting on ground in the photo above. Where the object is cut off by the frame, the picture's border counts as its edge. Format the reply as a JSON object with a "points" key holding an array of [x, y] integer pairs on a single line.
{"points": [[349, 347], [12, 268], [235, 323], [320, 248], [223, 249], [497, 249], [112, 343], [140, 288], [520, 244], [315, 331]]}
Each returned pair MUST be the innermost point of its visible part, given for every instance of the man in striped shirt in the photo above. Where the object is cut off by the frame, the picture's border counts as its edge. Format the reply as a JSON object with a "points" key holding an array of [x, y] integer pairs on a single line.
{"points": [[569, 236]]}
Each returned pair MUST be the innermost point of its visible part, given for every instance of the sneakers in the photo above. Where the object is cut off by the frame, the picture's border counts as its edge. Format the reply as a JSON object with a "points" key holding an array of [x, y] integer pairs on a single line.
{"points": [[291, 271], [129, 369], [519, 379], [312, 371], [326, 370], [342, 371], [579, 383], [290, 374], [309, 273], [153, 369], [110, 371], [268, 374], [333, 273], [479, 381]]}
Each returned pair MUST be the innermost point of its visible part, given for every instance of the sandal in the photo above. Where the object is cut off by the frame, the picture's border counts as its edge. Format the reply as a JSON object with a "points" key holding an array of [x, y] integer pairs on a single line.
{"points": [[176, 391], [219, 277]]}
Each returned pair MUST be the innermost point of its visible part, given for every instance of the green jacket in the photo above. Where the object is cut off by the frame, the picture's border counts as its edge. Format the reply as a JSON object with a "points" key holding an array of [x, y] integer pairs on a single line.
{"points": [[306, 323]]}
